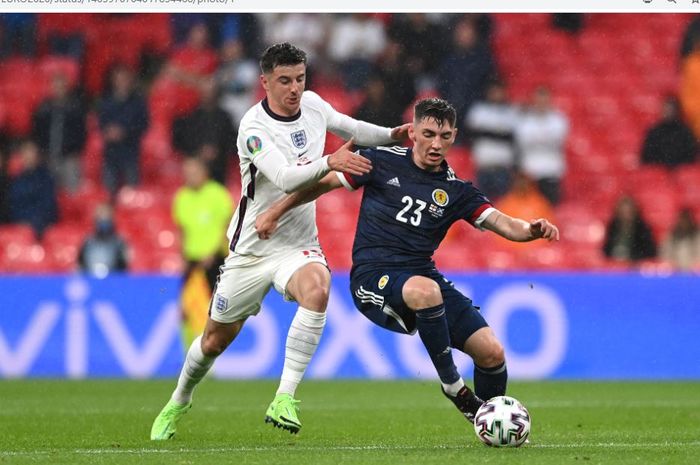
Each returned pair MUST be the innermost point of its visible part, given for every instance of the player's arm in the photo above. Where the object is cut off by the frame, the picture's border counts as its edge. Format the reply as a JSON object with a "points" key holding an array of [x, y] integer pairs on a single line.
{"points": [[266, 222], [518, 230], [291, 178], [366, 134]]}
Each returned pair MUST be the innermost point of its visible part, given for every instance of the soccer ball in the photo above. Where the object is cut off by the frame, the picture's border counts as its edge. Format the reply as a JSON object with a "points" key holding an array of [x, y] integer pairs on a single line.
{"points": [[502, 422]]}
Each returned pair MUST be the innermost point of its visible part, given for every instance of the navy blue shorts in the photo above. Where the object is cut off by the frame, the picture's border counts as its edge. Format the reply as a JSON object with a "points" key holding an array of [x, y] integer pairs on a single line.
{"points": [[378, 295]]}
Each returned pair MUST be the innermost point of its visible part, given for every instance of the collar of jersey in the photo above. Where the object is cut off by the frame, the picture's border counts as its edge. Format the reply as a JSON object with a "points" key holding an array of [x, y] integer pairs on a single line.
{"points": [[275, 116], [436, 174]]}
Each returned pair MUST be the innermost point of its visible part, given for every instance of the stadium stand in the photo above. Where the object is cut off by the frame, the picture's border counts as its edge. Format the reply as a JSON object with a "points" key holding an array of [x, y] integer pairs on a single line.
{"points": [[609, 79]]}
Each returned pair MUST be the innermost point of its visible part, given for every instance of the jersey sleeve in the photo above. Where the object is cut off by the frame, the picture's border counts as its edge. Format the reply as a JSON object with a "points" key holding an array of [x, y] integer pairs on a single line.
{"points": [[272, 163], [342, 125], [352, 182], [475, 206]]}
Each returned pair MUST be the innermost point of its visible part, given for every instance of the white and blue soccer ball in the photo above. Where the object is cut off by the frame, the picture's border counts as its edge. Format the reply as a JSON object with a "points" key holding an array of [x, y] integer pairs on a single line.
{"points": [[502, 422]]}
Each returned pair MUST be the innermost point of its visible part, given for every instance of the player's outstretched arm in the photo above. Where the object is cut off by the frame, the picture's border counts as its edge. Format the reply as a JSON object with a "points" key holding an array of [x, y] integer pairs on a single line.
{"points": [[366, 134], [266, 222], [291, 178], [518, 230]]}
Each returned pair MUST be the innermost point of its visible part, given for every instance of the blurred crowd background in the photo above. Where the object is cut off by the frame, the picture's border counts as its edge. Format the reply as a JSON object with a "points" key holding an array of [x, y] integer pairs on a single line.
{"points": [[117, 131]]}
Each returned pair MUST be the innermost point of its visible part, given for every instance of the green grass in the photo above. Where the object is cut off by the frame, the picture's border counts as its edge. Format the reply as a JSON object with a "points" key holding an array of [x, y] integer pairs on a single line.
{"points": [[348, 422]]}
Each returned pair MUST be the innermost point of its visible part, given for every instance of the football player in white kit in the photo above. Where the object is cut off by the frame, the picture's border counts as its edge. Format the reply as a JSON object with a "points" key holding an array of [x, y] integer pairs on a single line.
{"points": [[280, 146]]}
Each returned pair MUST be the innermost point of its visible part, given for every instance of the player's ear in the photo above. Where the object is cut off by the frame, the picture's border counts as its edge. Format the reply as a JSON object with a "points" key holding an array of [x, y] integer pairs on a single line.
{"points": [[264, 81], [412, 132]]}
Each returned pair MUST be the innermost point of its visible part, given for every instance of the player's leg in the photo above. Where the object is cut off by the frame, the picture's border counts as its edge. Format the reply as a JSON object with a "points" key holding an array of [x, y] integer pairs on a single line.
{"points": [[198, 361], [424, 296], [309, 286], [243, 283], [490, 371], [471, 334]]}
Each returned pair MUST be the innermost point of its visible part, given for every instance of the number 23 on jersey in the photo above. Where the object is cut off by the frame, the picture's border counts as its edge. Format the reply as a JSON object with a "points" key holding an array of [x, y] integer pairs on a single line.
{"points": [[414, 214]]}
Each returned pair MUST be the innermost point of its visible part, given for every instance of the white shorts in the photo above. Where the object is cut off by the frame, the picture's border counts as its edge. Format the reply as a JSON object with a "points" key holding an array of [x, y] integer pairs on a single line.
{"points": [[245, 280]]}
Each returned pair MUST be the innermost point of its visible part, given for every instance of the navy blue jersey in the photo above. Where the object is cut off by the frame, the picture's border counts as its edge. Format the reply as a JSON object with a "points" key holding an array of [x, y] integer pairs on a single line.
{"points": [[406, 211]]}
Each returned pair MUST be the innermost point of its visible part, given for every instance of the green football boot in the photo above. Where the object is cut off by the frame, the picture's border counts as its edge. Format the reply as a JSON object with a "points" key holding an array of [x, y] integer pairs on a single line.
{"points": [[165, 424], [282, 413]]}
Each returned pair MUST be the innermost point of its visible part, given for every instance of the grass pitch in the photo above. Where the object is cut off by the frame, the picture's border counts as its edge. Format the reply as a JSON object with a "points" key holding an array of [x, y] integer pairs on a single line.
{"points": [[344, 422]]}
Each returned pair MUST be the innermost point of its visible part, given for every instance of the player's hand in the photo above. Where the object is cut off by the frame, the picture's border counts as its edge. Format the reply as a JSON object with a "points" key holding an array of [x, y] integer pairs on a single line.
{"points": [[345, 161], [265, 225], [543, 229], [400, 132]]}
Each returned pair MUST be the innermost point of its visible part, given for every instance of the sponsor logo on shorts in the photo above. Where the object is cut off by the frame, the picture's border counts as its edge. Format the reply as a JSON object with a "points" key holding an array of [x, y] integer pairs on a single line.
{"points": [[383, 281], [313, 253], [254, 144], [220, 303], [440, 197]]}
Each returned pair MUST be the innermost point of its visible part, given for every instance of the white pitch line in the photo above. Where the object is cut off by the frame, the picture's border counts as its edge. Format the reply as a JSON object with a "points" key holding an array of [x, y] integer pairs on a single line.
{"points": [[603, 445]]}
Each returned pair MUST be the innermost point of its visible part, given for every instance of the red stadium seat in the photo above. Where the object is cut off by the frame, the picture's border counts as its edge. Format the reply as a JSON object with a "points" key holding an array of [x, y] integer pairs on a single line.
{"points": [[62, 243], [20, 233]]}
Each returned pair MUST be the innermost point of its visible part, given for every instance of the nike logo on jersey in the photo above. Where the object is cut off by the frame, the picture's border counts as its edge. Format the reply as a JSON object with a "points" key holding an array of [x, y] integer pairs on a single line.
{"points": [[394, 182]]}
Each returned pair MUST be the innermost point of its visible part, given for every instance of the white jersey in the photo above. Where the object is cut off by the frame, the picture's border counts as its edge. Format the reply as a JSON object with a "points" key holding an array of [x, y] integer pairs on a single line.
{"points": [[285, 154]]}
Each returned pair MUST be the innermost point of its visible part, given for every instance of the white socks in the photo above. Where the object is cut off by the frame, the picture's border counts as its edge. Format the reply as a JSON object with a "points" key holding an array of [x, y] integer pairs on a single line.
{"points": [[302, 340], [453, 389], [195, 368]]}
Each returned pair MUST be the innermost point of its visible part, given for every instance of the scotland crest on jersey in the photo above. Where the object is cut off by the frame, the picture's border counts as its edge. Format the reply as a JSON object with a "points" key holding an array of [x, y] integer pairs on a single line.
{"points": [[299, 139]]}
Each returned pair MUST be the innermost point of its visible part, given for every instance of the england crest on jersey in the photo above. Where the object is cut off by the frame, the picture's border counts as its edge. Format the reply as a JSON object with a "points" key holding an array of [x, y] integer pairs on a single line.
{"points": [[299, 139]]}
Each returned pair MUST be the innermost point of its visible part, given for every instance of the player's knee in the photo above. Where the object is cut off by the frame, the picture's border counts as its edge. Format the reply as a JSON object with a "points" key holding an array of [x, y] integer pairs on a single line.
{"points": [[491, 355], [212, 345], [420, 292], [315, 298]]}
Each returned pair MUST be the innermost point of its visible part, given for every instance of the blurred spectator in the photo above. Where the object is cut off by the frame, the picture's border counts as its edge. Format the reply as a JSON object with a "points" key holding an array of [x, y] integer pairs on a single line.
{"points": [[237, 77], [202, 209], [524, 200], [570, 22], [207, 133], [628, 237], [355, 42], [540, 135], [682, 245], [690, 87], [242, 27], [670, 141], [123, 119], [58, 126], [422, 44], [181, 25], [32, 195], [691, 32], [377, 108], [65, 32], [490, 125], [18, 34], [4, 191], [399, 83], [188, 65], [304, 30], [465, 72], [103, 252]]}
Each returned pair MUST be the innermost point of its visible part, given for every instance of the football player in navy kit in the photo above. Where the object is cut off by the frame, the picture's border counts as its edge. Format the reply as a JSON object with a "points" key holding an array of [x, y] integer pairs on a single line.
{"points": [[411, 197]]}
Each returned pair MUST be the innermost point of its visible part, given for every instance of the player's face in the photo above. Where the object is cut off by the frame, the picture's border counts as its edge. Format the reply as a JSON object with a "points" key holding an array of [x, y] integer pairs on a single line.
{"points": [[431, 142], [284, 86]]}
